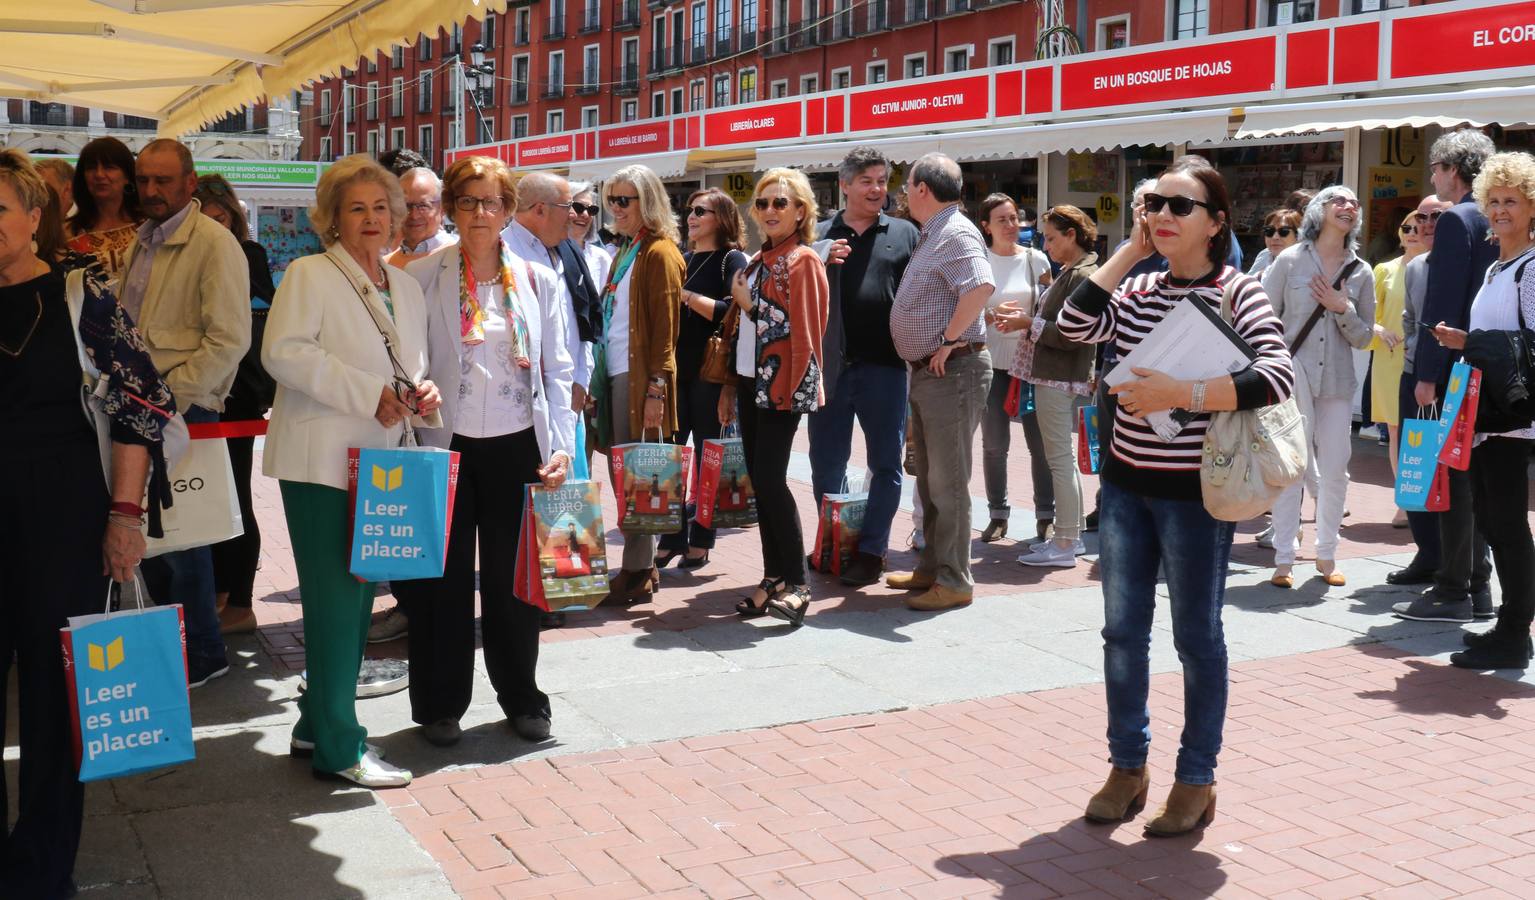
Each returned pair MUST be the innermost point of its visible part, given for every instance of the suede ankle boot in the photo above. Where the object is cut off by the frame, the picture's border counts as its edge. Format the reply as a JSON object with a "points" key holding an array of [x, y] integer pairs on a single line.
{"points": [[1188, 806], [1121, 797]]}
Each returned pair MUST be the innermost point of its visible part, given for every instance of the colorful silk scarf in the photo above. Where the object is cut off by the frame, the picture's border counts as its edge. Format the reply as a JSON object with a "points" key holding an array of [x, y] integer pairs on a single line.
{"points": [[472, 317]]}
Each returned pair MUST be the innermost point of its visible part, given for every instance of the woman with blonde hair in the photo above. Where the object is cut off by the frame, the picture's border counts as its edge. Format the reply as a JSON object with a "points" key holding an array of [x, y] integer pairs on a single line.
{"points": [[346, 343], [784, 288], [634, 384], [496, 349], [1505, 192]]}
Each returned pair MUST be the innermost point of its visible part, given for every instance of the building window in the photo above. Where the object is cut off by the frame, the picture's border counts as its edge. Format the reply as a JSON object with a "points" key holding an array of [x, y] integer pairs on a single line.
{"points": [[397, 98], [325, 150], [396, 138], [519, 126], [372, 101], [488, 31], [721, 90], [696, 94], [630, 75], [556, 74], [842, 22], [590, 116], [629, 110], [700, 30], [999, 52], [424, 145], [373, 65], [746, 91], [677, 99], [722, 11], [349, 144], [809, 84], [1113, 33], [522, 25], [916, 66], [956, 59], [1369, 6], [372, 143], [554, 121], [522, 67], [424, 93], [1287, 12], [591, 67], [779, 88], [397, 57], [423, 48], [1190, 18], [748, 21], [841, 79], [455, 40], [875, 73], [325, 108], [658, 104]]}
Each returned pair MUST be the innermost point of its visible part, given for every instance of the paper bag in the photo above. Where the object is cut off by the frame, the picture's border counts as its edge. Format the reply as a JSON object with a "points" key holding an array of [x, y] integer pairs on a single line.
{"points": [[402, 511]]}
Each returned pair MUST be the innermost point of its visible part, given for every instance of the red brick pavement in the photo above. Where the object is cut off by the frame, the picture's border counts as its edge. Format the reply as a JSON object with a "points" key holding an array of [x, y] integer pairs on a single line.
{"points": [[688, 600], [1349, 772]]}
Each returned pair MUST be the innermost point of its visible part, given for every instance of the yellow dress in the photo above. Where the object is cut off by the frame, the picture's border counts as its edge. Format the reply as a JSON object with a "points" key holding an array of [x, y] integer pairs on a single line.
{"points": [[1386, 365]]}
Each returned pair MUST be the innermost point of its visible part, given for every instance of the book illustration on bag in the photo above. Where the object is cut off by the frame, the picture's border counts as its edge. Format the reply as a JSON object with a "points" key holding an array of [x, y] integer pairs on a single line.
{"points": [[563, 528], [725, 497], [653, 488], [836, 540]]}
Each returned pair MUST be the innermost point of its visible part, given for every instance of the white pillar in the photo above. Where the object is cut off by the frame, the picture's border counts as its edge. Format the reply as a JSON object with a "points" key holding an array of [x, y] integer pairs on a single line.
{"points": [[5, 111], [98, 118]]}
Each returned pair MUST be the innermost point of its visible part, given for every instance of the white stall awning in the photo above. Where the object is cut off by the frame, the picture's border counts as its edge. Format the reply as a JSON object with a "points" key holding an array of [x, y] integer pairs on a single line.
{"points": [[665, 165], [1504, 105]]}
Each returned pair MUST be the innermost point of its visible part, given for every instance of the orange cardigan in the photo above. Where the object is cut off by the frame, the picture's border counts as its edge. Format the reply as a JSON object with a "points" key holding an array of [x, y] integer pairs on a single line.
{"points": [[655, 308], [792, 298]]}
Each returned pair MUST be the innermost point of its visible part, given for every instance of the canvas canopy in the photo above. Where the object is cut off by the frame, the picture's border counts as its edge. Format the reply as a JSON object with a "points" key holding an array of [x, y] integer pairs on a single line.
{"points": [[189, 62]]}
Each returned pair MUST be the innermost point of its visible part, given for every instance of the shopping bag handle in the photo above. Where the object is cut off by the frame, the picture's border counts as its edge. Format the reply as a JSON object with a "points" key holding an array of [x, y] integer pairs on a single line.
{"points": [[733, 430], [660, 437], [117, 588], [1434, 407]]}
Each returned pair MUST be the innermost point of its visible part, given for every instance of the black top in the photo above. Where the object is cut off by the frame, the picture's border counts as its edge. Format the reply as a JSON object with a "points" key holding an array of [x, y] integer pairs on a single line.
{"points": [[709, 274], [870, 276], [40, 388], [261, 272]]}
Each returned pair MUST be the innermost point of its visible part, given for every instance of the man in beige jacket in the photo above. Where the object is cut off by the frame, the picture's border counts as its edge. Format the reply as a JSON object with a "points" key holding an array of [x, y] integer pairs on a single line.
{"points": [[186, 283]]}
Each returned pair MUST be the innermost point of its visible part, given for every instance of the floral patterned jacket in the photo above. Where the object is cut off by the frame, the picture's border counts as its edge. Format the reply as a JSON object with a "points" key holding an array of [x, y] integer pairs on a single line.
{"points": [[790, 298]]}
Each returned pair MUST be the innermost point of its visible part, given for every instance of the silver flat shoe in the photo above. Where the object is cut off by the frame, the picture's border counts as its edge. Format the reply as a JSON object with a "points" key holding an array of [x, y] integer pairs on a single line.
{"points": [[371, 772]]}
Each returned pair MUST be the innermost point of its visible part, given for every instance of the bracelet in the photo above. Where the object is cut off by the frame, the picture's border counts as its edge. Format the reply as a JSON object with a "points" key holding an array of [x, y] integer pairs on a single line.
{"points": [[1197, 401], [124, 522], [650, 396], [128, 509]]}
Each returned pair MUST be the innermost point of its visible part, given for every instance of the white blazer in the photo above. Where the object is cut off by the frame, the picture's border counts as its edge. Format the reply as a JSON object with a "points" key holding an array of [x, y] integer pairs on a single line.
{"points": [[330, 363], [554, 422]]}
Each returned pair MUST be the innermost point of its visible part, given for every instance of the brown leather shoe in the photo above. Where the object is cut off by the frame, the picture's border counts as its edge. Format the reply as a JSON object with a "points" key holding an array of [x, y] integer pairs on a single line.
{"points": [[1188, 806], [914, 581], [632, 587], [237, 620], [1121, 797], [940, 597]]}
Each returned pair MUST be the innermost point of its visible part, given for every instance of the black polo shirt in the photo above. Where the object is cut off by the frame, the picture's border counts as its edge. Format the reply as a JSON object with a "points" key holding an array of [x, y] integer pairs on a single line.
{"points": [[870, 276]]}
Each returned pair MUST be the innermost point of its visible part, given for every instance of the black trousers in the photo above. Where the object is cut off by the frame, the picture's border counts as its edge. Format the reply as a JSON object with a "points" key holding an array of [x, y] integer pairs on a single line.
{"points": [[492, 476], [1424, 525], [52, 514], [234, 560], [1464, 566], [767, 437], [697, 416], [1500, 483]]}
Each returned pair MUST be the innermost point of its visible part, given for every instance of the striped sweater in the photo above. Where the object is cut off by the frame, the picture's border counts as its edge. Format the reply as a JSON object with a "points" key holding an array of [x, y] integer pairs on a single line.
{"points": [[1138, 459]]}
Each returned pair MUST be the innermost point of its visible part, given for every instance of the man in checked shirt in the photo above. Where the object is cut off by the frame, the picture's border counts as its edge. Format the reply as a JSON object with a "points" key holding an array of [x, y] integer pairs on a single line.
{"points": [[936, 324]]}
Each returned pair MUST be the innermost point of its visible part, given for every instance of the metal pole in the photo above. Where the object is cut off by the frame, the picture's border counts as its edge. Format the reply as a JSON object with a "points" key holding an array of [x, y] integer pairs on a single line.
{"points": [[458, 97]]}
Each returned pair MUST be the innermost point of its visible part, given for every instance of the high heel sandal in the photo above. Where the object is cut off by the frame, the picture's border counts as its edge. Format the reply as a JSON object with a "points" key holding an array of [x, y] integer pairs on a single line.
{"points": [[794, 615], [694, 562], [746, 609], [665, 557]]}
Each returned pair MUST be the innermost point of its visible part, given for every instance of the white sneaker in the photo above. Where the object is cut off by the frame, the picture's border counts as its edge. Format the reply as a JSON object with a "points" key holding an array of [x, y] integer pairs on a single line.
{"points": [[1036, 546], [372, 772], [393, 625], [1052, 554], [1266, 538]]}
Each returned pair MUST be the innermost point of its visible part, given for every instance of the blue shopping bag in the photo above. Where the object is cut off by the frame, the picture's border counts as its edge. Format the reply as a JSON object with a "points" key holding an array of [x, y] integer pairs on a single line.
{"points": [[127, 684], [579, 469], [1417, 462], [1089, 459], [402, 511], [1454, 396]]}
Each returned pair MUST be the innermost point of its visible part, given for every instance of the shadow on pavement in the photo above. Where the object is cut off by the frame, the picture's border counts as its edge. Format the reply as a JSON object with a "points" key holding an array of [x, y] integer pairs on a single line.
{"points": [[1432, 689]]}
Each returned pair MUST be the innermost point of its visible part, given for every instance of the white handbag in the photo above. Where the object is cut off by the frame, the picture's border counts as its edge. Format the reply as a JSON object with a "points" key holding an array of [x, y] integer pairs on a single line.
{"points": [[1250, 455], [206, 510]]}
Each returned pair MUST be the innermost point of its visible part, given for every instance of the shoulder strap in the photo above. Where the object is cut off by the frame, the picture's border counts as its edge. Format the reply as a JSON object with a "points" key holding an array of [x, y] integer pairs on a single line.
{"points": [[74, 295], [1229, 302]]}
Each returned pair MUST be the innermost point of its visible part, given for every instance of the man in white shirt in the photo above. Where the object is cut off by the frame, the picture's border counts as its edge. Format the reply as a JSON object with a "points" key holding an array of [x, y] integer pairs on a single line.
{"points": [[422, 233]]}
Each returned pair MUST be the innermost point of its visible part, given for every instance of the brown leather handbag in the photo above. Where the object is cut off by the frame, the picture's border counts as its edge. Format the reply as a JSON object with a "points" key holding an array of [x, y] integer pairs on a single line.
{"points": [[719, 353]]}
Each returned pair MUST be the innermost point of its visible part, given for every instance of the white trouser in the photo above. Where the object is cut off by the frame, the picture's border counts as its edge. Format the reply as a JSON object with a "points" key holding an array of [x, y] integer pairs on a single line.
{"points": [[1328, 434]]}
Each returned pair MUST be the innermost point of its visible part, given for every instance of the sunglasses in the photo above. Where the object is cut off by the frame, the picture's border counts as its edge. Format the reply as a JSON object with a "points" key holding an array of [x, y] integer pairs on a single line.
{"points": [[698, 212], [1344, 202], [1408, 228], [491, 205], [778, 203], [622, 201], [1284, 231], [1429, 217], [584, 209], [1181, 206]]}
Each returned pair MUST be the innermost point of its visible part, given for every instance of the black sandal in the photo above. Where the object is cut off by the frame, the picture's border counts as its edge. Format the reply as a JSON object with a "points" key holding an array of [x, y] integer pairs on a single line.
{"points": [[746, 609], [794, 615], [665, 557], [694, 562]]}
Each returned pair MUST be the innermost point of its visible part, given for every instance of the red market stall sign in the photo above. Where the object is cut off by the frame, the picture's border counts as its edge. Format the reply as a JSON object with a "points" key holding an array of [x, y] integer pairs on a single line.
{"points": [[914, 105], [632, 140], [1479, 41], [546, 151], [1169, 74], [767, 122]]}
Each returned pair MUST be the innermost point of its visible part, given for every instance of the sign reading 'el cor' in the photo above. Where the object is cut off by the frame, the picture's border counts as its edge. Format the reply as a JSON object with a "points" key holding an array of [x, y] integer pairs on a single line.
{"points": [[1170, 74], [1472, 40], [941, 102]]}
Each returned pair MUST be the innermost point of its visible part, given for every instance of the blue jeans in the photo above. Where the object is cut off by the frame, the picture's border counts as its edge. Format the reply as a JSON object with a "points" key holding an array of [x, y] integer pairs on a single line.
{"points": [[1139, 534], [876, 396], [186, 577]]}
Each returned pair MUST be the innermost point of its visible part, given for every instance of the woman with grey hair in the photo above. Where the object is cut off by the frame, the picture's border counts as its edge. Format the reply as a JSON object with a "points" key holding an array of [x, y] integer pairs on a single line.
{"points": [[1324, 295]]}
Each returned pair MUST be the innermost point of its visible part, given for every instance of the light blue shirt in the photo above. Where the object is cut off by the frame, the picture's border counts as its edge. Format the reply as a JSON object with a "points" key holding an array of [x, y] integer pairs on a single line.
{"points": [[152, 234], [525, 244]]}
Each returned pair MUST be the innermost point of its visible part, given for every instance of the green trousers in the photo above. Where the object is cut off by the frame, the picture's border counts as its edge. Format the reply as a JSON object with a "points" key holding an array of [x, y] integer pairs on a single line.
{"points": [[337, 611]]}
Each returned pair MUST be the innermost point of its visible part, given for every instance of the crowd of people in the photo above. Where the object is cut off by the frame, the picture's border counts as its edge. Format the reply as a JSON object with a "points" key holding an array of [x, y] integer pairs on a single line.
{"points": [[524, 340]]}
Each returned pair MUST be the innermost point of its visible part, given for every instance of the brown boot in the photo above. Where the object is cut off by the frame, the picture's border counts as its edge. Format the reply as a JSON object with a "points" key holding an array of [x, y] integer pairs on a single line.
{"points": [[915, 581], [940, 597], [1121, 797], [1188, 806]]}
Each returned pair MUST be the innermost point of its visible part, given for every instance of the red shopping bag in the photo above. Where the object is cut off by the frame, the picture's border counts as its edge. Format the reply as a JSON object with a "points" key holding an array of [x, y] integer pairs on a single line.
{"points": [[561, 553], [1439, 492], [723, 494], [1456, 452], [1088, 456], [836, 538], [650, 482]]}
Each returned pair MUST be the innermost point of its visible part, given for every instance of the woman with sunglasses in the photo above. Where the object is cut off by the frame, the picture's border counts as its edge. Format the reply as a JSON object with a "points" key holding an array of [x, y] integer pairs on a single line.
{"points": [[1152, 514], [1281, 229], [1387, 353], [634, 385], [496, 348], [583, 230], [714, 257], [1324, 294], [785, 291], [346, 343]]}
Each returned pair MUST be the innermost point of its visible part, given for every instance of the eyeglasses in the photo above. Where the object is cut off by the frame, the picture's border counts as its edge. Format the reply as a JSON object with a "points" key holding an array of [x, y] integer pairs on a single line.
{"points": [[698, 212], [1345, 202], [1283, 231], [778, 203], [1408, 228], [423, 206], [1436, 166], [560, 205], [584, 209], [1181, 206], [491, 205], [622, 201]]}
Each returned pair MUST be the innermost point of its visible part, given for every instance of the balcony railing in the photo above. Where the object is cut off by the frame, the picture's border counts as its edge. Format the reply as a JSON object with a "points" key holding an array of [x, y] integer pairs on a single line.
{"points": [[591, 19], [667, 59], [876, 16], [520, 37], [626, 14], [724, 43], [628, 79], [698, 52], [554, 89], [554, 26], [748, 40], [838, 28], [591, 83], [910, 12], [954, 7], [780, 39], [518, 94]]}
